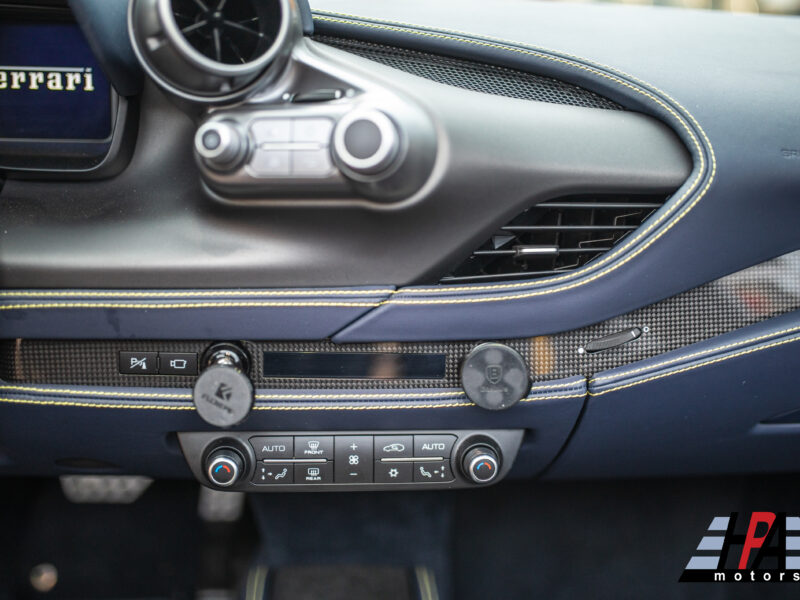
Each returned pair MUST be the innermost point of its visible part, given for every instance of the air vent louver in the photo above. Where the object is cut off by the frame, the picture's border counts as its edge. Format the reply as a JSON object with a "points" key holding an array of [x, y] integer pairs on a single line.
{"points": [[213, 51], [228, 31], [555, 237]]}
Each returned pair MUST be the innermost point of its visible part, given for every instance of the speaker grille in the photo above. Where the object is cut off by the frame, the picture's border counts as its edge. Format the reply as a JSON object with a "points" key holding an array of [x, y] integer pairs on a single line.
{"points": [[724, 305], [475, 76]]}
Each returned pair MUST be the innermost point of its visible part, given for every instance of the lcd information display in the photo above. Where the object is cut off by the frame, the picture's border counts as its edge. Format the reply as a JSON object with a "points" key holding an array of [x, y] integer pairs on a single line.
{"points": [[51, 86], [354, 365]]}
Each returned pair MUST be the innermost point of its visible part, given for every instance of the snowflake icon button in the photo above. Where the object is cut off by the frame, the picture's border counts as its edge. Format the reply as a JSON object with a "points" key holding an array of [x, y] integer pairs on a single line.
{"points": [[394, 472]]}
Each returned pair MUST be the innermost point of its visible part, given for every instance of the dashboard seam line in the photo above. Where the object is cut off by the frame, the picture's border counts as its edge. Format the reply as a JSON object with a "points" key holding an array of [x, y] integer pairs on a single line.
{"points": [[696, 366], [76, 404]]}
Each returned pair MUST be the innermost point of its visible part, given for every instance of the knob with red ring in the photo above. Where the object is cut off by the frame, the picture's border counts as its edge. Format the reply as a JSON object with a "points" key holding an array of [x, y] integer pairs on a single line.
{"points": [[224, 467], [481, 464]]}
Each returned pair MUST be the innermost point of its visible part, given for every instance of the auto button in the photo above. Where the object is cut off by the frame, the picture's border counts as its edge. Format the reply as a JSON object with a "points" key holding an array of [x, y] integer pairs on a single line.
{"points": [[273, 447], [433, 445]]}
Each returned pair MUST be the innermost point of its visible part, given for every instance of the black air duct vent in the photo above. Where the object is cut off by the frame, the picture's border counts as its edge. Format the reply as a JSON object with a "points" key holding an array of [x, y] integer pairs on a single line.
{"points": [[232, 32], [555, 237]]}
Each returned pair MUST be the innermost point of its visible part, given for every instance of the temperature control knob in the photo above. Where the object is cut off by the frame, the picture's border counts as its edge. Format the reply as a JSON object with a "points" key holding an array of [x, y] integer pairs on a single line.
{"points": [[224, 467], [481, 464], [221, 145]]}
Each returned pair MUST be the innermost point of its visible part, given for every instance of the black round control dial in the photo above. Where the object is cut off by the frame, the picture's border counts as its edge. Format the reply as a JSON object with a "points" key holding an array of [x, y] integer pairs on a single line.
{"points": [[481, 464], [224, 467]]}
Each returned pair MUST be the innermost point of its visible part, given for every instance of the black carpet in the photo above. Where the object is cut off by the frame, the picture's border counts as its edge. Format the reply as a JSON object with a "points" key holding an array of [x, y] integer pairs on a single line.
{"points": [[515, 540]]}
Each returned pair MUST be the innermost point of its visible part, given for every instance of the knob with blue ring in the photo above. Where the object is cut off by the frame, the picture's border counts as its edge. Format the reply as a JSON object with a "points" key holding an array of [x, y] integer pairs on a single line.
{"points": [[481, 464], [224, 467]]}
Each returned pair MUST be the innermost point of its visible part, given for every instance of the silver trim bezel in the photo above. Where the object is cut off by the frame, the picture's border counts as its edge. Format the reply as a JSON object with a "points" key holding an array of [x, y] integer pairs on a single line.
{"points": [[228, 461], [188, 52], [487, 457], [383, 156]]}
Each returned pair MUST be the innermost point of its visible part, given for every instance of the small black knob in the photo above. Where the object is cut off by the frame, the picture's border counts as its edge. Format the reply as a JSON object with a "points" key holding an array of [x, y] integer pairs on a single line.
{"points": [[224, 467], [221, 145], [481, 464]]}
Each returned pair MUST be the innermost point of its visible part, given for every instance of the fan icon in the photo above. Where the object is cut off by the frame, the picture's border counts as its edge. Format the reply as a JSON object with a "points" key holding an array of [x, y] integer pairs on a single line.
{"points": [[393, 473]]}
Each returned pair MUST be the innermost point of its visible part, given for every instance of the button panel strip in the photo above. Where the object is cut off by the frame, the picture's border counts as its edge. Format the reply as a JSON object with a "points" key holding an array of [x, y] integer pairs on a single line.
{"points": [[335, 461]]}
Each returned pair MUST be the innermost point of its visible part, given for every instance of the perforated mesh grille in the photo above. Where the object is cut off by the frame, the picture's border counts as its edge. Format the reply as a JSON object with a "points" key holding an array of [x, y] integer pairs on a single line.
{"points": [[475, 76], [724, 305]]}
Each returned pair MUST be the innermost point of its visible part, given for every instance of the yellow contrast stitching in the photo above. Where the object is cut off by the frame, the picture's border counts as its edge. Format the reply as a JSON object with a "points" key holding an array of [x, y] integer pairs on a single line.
{"points": [[37, 390], [595, 265], [697, 366], [696, 354], [111, 393], [555, 385], [72, 403], [407, 406], [188, 294], [181, 305], [356, 396], [610, 256]]}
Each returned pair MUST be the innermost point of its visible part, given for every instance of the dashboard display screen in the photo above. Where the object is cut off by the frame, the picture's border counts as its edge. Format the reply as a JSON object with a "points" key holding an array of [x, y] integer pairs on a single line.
{"points": [[51, 86], [354, 365]]}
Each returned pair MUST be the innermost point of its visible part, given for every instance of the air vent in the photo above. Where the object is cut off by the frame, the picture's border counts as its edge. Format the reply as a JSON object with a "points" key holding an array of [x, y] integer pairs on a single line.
{"points": [[212, 51], [555, 237], [228, 32]]}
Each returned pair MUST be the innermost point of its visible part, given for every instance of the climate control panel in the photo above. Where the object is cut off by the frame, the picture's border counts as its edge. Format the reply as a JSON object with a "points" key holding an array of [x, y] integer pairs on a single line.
{"points": [[358, 460]]}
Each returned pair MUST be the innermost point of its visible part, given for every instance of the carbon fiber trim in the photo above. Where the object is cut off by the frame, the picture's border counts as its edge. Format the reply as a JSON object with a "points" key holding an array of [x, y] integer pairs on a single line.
{"points": [[475, 76], [724, 305]]}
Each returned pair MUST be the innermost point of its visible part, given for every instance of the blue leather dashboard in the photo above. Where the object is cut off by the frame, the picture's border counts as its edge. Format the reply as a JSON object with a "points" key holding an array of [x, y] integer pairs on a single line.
{"points": [[740, 126], [723, 83]]}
